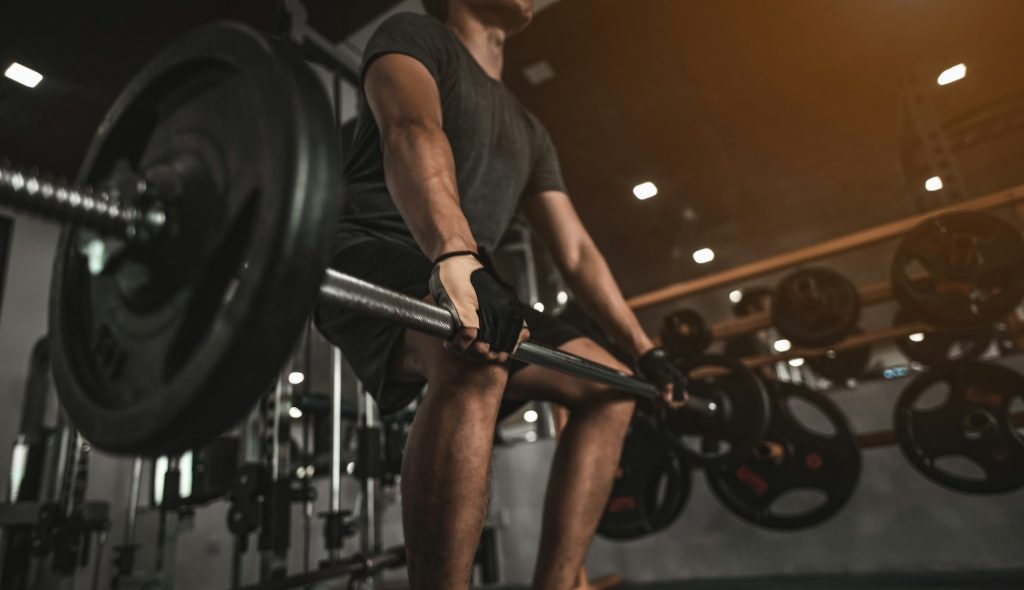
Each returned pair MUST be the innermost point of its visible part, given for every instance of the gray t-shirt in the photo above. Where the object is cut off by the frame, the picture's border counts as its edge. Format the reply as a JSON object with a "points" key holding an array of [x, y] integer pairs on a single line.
{"points": [[501, 150]]}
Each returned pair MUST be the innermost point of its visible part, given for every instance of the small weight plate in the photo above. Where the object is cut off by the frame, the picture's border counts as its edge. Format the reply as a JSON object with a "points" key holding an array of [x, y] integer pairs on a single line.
{"points": [[842, 366], [955, 425], [168, 347], [815, 307], [651, 487], [685, 333], [959, 270], [741, 414], [805, 449], [944, 345]]}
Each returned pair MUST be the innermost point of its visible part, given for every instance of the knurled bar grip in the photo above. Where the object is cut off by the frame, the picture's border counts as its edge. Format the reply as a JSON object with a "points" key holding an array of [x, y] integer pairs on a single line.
{"points": [[367, 298], [31, 193]]}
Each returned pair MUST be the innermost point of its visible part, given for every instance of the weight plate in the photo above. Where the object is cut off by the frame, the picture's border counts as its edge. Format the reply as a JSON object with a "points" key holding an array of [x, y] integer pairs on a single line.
{"points": [[685, 333], [803, 450], [167, 348], [741, 415], [955, 425], [651, 487], [959, 270], [842, 366], [815, 307], [941, 346]]}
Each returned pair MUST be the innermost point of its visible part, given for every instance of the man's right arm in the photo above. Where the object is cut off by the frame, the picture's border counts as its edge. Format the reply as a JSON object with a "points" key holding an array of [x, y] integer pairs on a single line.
{"points": [[419, 169], [418, 164]]}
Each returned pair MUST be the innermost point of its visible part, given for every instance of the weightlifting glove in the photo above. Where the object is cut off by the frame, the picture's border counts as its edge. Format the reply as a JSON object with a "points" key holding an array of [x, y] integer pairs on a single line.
{"points": [[465, 284], [655, 367]]}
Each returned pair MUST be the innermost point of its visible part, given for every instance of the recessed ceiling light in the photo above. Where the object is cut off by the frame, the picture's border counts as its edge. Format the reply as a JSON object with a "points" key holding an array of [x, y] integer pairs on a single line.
{"points": [[295, 412], [530, 416], [562, 298], [296, 377], [645, 190], [782, 345], [538, 306], [933, 184], [23, 75], [736, 296], [950, 75], [796, 362], [916, 337], [538, 73], [704, 256]]}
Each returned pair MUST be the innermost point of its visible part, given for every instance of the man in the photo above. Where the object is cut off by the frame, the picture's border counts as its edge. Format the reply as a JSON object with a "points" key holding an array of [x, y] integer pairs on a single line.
{"points": [[442, 157]]}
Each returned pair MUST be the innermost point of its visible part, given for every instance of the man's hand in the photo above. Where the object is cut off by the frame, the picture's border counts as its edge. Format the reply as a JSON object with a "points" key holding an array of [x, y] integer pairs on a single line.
{"points": [[487, 310], [656, 368]]}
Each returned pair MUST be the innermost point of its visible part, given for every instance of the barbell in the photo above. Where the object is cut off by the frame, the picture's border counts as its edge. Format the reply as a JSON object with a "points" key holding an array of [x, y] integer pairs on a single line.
{"points": [[198, 236]]}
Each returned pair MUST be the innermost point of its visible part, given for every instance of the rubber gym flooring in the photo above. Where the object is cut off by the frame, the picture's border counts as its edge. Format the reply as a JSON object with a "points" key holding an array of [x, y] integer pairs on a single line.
{"points": [[1008, 580]]}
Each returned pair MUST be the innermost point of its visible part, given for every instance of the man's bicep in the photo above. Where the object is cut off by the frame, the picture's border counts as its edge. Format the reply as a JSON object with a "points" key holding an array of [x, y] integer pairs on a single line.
{"points": [[554, 219], [400, 90]]}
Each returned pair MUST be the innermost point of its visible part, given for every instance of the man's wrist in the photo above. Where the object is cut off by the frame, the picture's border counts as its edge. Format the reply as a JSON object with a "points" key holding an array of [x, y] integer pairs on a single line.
{"points": [[643, 347], [453, 245]]}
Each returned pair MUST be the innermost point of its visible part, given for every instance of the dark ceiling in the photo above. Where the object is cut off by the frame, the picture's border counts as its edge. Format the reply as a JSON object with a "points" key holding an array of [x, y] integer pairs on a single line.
{"points": [[766, 125]]}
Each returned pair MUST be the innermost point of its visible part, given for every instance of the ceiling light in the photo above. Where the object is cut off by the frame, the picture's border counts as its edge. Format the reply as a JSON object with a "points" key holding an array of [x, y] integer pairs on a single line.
{"points": [[294, 412], [22, 75], [531, 416], [796, 362], [530, 436], [645, 190], [562, 298], [296, 377], [704, 256], [916, 337], [538, 306], [933, 184], [782, 345], [950, 75], [538, 72], [736, 296]]}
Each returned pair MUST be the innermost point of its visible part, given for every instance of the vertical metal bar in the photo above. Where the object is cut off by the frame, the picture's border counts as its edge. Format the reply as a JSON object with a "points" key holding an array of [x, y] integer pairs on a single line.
{"points": [[134, 491], [336, 442]]}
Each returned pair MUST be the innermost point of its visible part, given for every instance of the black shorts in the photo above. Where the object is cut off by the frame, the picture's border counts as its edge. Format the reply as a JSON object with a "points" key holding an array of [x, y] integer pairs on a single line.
{"points": [[367, 342]]}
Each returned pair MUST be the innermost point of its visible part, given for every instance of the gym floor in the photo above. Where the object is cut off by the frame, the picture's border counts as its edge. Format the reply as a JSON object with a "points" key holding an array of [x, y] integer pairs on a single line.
{"points": [[959, 580]]}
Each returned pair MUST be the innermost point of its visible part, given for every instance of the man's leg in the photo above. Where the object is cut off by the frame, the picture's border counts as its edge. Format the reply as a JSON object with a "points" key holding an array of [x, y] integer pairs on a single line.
{"points": [[585, 461], [447, 460]]}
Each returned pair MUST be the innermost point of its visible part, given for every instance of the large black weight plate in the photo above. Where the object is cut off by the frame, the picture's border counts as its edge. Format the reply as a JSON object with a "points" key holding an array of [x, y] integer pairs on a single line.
{"points": [[962, 411], [944, 345], [165, 350], [685, 333], [815, 307], [741, 415], [651, 487], [801, 451], [842, 366], [959, 270]]}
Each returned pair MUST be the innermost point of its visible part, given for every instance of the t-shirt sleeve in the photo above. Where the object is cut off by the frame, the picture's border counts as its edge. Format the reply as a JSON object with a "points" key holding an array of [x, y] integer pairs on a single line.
{"points": [[420, 37], [546, 171]]}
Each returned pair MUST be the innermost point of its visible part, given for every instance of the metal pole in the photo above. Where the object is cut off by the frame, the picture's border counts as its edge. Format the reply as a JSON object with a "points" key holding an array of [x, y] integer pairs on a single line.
{"points": [[364, 297], [134, 491], [336, 442]]}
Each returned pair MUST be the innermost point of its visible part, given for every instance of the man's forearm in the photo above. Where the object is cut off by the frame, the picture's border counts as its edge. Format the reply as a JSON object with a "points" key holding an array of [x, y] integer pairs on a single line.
{"points": [[598, 292], [420, 174]]}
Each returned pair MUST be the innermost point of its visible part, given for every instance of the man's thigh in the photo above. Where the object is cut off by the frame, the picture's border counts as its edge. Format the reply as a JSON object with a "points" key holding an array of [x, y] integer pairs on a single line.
{"points": [[538, 383]]}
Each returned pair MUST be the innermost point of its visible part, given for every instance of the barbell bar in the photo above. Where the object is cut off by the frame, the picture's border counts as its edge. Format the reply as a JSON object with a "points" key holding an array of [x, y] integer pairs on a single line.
{"points": [[28, 192], [197, 238]]}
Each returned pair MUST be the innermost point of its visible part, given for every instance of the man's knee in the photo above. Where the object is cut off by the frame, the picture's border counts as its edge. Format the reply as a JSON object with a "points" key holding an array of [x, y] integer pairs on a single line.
{"points": [[469, 378], [611, 404]]}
